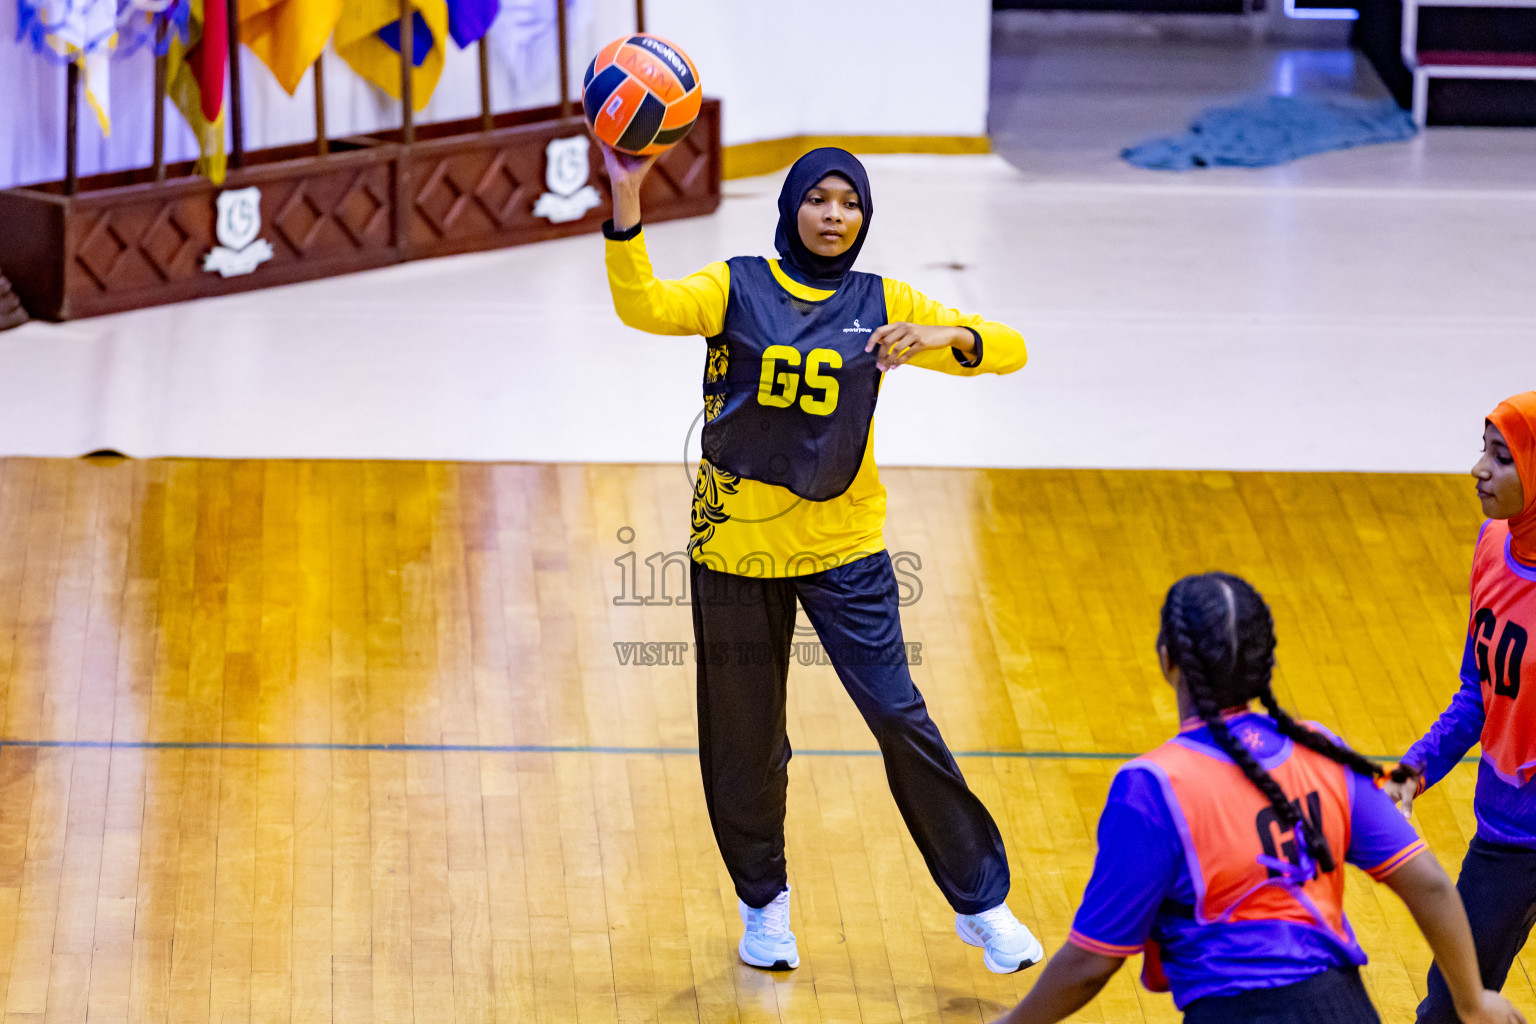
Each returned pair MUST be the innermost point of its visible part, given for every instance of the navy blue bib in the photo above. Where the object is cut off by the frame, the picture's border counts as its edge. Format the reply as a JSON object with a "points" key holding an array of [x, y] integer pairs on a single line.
{"points": [[799, 390]]}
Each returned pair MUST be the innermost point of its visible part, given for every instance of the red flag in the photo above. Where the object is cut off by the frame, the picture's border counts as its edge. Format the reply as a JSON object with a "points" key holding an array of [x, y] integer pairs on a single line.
{"points": [[209, 57]]}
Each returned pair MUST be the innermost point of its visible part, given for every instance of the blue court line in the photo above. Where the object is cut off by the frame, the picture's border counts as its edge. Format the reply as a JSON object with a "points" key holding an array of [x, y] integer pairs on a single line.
{"points": [[538, 748], [498, 748]]}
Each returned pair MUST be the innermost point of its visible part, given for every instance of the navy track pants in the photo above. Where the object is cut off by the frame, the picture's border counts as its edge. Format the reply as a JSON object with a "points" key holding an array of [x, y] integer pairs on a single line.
{"points": [[744, 629]]}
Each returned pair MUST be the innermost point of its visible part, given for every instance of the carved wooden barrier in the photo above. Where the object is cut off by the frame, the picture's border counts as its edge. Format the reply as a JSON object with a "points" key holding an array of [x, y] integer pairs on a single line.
{"points": [[124, 240]]}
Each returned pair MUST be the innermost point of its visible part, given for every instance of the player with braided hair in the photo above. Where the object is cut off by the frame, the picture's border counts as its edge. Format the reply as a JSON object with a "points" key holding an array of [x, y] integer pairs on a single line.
{"points": [[1200, 654], [1219, 851]]}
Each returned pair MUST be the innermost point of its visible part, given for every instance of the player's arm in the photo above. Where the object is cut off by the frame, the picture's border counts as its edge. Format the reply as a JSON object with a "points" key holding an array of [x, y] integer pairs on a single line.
{"points": [[1459, 726], [693, 305], [625, 176], [1432, 899], [1070, 981], [1386, 847], [930, 334], [1136, 866]]}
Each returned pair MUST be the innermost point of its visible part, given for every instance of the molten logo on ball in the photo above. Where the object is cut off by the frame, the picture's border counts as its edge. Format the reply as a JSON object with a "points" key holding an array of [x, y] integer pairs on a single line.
{"points": [[641, 95]]}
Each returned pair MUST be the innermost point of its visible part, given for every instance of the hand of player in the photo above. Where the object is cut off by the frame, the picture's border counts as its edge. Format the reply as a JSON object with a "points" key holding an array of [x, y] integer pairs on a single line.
{"points": [[625, 175], [624, 170], [1402, 785], [1491, 1008], [899, 342]]}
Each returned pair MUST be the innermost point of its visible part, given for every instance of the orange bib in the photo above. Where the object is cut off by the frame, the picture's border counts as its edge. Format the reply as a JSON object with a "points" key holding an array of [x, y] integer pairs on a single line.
{"points": [[1503, 617], [1243, 863]]}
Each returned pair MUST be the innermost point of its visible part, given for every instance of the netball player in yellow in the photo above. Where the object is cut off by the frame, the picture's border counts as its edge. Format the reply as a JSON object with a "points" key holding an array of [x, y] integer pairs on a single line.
{"points": [[788, 505]]}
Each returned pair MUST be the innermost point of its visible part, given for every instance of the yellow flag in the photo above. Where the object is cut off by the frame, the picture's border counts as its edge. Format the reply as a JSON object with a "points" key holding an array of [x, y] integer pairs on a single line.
{"points": [[288, 35], [93, 75], [182, 87], [369, 30]]}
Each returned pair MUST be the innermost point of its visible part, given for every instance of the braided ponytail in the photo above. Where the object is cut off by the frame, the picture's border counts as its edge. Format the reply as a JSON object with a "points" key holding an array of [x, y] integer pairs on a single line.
{"points": [[1316, 741], [1200, 637], [1219, 633], [1256, 654]]}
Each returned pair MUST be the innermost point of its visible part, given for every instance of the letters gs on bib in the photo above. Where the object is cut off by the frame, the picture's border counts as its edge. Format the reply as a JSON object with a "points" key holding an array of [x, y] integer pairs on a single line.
{"points": [[799, 388], [778, 386], [778, 389]]}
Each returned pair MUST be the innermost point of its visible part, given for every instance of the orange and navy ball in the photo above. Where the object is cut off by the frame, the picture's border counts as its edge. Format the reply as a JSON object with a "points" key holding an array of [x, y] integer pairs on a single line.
{"points": [[641, 94]]}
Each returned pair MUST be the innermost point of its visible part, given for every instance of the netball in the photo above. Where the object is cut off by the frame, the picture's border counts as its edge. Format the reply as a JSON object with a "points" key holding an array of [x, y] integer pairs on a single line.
{"points": [[641, 94]]}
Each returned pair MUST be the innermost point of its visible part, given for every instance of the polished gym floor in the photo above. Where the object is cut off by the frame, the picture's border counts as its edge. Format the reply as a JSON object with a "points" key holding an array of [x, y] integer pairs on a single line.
{"points": [[370, 741]]}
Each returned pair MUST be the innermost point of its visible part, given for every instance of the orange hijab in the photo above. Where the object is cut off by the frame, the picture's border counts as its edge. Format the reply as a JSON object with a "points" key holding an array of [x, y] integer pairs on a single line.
{"points": [[1516, 419]]}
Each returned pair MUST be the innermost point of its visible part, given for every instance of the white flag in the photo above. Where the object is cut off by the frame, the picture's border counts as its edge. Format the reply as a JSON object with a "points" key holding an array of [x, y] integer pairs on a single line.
{"points": [[525, 35]]}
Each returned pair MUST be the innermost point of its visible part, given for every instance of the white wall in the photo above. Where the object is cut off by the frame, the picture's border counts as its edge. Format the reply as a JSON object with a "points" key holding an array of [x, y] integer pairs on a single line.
{"points": [[782, 68], [837, 67]]}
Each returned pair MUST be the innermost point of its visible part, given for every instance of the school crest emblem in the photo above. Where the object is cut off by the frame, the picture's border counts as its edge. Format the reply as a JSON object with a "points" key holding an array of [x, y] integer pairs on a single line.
{"points": [[566, 170], [238, 223]]}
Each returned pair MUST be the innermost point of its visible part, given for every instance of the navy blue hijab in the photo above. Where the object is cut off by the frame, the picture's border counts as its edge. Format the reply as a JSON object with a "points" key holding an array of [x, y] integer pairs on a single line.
{"points": [[803, 265]]}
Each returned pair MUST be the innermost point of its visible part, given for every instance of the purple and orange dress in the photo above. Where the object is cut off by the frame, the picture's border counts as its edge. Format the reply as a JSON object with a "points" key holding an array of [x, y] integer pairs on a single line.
{"points": [[1196, 870], [1492, 707]]}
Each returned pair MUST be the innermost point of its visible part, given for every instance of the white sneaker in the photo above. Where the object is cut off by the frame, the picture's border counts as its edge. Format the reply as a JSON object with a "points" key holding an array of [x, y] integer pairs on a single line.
{"points": [[1006, 945], [768, 942]]}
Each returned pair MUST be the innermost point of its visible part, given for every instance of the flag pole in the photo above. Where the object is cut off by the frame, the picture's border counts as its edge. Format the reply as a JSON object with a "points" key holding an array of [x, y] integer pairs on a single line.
{"points": [[639, 15], [71, 126], [160, 73], [565, 74], [322, 140], [486, 120], [237, 120], [407, 49]]}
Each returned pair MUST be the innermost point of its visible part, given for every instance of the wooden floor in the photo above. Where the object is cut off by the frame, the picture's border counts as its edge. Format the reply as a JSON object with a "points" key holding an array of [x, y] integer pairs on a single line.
{"points": [[354, 741]]}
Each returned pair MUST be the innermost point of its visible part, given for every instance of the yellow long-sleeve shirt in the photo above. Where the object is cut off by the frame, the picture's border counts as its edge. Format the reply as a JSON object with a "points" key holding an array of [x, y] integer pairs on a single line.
{"points": [[758, 529]]}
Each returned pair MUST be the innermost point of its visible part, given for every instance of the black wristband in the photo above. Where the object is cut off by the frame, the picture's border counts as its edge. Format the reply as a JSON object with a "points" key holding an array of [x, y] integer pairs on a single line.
{"points": [[614, 235], [969, 363]]}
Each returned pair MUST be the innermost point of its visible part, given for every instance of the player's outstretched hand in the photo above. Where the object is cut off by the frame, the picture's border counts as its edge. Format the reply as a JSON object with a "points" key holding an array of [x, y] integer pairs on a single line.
{"points": [[624, 170], [1492, 1008], [1402, 785], [625, 173], [899, 342]]}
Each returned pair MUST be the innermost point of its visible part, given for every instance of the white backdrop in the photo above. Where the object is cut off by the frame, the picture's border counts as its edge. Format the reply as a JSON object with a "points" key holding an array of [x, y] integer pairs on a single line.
{"points": [[845, 67], [782, 68], [1331, 314]]}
